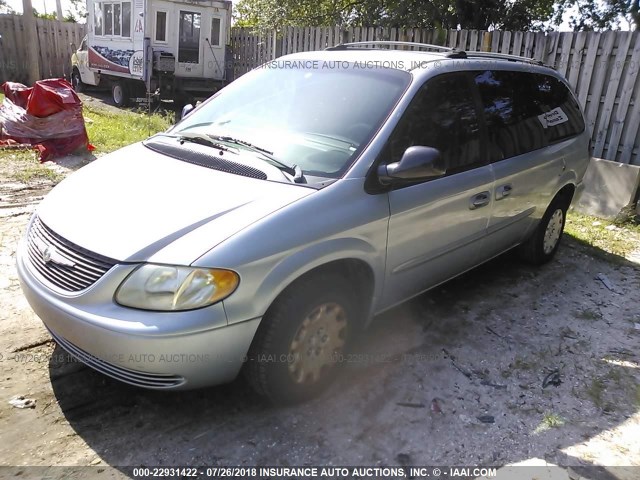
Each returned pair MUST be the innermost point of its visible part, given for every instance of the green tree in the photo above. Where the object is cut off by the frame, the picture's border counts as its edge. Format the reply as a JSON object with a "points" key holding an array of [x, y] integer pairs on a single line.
{"points": [[601, 14], [4, 8], [469, 14], [46, 16], [77, 12]]}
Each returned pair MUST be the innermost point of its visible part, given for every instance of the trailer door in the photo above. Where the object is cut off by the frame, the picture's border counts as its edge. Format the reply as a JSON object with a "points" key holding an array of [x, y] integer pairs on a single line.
{"points": [[189, 43], [214, 46]]}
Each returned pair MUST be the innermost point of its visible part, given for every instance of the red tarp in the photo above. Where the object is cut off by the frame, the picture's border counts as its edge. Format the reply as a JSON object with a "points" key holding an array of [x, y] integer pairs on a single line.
{"points": [[47, 116]]}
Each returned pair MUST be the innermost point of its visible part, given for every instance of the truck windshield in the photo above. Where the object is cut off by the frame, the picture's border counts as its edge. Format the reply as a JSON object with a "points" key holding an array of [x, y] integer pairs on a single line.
{"points": [[316, 118]]}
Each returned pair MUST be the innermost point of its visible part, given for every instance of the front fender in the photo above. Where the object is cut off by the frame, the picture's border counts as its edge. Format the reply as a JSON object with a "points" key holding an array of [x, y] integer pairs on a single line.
{"points": [[254, 300]]}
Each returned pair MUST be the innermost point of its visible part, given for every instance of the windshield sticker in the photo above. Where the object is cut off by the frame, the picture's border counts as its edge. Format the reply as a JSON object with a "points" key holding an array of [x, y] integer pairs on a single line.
{"points": [[553, 117]]}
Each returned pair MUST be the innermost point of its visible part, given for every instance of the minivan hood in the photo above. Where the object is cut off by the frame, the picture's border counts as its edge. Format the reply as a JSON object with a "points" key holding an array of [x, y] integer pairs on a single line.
{"points": [[137, 205]]}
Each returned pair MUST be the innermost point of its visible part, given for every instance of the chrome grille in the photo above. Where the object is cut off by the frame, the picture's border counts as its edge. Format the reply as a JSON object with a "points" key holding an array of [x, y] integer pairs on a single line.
{"points": [[64, 264], [132, 377]]}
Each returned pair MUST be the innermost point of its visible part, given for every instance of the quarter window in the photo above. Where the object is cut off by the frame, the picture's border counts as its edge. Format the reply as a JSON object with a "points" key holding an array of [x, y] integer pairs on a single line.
{"points": [[442, 115], [559, 109]]}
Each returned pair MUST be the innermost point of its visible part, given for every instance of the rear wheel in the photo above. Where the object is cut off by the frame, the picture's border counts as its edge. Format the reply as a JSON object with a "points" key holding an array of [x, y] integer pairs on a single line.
{"points": [[76, 81], [296, 351], [544, 243], [120, 93]]}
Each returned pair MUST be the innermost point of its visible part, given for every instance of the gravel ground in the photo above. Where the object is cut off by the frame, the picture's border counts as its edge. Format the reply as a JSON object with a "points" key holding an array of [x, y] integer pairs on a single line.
{"points": [[504, 364]]}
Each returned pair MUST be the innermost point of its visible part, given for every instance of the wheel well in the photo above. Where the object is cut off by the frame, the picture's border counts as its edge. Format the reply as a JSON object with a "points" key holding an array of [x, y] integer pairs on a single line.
{"points": [[359, 273], [565, 195]]}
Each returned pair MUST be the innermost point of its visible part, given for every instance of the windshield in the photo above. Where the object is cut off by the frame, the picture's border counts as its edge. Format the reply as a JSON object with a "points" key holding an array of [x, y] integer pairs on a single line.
{"points": [[317, 119]]}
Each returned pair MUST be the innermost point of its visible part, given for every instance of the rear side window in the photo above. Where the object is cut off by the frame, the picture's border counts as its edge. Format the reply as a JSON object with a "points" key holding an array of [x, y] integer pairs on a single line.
{"points": [[525, 112], [559, 108], [441, 115]]}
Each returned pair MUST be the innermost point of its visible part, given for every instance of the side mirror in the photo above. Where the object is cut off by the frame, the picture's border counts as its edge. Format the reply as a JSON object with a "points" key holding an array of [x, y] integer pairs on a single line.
{"points": [[73, 47], [417, 163], [186, 110]]}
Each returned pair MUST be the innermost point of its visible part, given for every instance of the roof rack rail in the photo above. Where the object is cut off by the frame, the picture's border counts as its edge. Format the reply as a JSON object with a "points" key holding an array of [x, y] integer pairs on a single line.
{"points": [[390, 43], [497, 56]]}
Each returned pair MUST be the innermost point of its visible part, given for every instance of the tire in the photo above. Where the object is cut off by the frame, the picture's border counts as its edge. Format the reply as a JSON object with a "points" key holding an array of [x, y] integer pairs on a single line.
{"points": [[296, 351], [545, 240], [76, 81], [120, 93]]}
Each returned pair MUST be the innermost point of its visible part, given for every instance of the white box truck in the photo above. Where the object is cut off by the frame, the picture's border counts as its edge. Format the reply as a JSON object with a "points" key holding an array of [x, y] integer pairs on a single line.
{"points": [[175, 49]]}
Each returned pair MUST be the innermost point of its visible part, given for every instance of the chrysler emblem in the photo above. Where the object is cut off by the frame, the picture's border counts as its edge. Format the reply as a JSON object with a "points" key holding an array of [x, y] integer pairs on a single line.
{"points": [[48, 252]]}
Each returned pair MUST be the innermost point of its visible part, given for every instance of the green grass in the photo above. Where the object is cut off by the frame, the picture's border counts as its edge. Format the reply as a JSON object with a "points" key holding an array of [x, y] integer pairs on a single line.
{"points": [[23, 166], [549, 420], [599, 233], [109, 131]]}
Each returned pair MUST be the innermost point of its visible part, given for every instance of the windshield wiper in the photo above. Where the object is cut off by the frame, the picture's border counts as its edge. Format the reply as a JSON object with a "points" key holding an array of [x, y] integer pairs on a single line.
{"points": [[203, 139], [295, 171]]}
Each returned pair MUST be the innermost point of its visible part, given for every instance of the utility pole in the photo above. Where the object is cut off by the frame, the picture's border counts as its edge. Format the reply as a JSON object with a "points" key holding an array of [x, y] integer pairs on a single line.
{"points": [[59, 10], [31, 37]]}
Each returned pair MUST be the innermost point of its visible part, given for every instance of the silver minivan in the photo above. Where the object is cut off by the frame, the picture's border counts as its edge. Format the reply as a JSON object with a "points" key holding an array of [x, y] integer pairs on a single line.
{"points": [[266, 228]]}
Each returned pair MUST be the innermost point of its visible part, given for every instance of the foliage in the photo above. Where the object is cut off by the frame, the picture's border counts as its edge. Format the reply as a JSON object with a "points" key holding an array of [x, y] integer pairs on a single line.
{"points": [[4, 8], [78, 11], [601, 14], [621, 240], [467, 14], [46, 16]]}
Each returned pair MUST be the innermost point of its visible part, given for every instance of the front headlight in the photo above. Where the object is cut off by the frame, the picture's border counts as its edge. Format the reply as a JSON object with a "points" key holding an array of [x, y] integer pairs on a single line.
{"points": [[171, 288]]}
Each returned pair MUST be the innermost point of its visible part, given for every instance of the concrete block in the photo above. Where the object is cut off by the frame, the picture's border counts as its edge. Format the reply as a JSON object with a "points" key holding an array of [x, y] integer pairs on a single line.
{"points": [[608, 188]]}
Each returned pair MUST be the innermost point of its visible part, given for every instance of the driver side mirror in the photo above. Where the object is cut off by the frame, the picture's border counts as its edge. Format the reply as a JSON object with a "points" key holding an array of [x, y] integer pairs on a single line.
{"points": [[417, 163]]}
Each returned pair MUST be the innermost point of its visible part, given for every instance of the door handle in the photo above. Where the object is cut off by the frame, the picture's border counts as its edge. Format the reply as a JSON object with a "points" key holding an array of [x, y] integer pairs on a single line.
{"points": [[479, 200], [503, 191]]}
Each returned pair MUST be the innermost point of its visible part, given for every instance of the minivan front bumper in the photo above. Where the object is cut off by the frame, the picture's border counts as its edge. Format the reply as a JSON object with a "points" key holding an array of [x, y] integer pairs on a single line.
{"points": [[142, 348]]}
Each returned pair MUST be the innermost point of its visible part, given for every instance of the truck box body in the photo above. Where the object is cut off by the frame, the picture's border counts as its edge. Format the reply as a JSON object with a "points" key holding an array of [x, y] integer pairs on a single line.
{"points": [[173, 46]]}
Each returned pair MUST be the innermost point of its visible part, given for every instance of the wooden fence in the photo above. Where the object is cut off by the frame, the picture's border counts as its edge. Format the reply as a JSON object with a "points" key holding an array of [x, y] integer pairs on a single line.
{"points": [[54, 46], [601, 67]]}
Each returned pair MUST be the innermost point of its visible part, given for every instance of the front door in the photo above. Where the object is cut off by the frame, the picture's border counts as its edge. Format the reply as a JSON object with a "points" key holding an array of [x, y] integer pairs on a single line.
{"points": [[437, 227], [190, 42]]}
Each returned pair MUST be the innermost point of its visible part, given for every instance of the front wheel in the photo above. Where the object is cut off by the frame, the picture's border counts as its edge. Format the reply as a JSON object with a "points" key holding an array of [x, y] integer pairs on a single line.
{"points": [[120, 94], [544, 243], [300, 342]]}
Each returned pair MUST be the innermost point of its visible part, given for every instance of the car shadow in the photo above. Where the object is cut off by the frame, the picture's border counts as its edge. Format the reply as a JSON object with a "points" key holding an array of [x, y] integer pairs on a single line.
{"points": [[499, 365]]}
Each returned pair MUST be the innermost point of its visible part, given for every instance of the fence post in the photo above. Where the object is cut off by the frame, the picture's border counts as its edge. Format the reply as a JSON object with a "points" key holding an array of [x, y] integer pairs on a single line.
{"points": [[486, 41], [31, 37]]}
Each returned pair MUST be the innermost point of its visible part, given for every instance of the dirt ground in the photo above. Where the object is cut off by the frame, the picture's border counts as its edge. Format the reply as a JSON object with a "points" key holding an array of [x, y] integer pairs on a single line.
{"points": [[454, 377]]}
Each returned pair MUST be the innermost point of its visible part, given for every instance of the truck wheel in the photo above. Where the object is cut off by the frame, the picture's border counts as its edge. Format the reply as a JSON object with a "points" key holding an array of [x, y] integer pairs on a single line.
{"points": [[298, 346], [76, 81], [544, 243], [120, 93]]}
